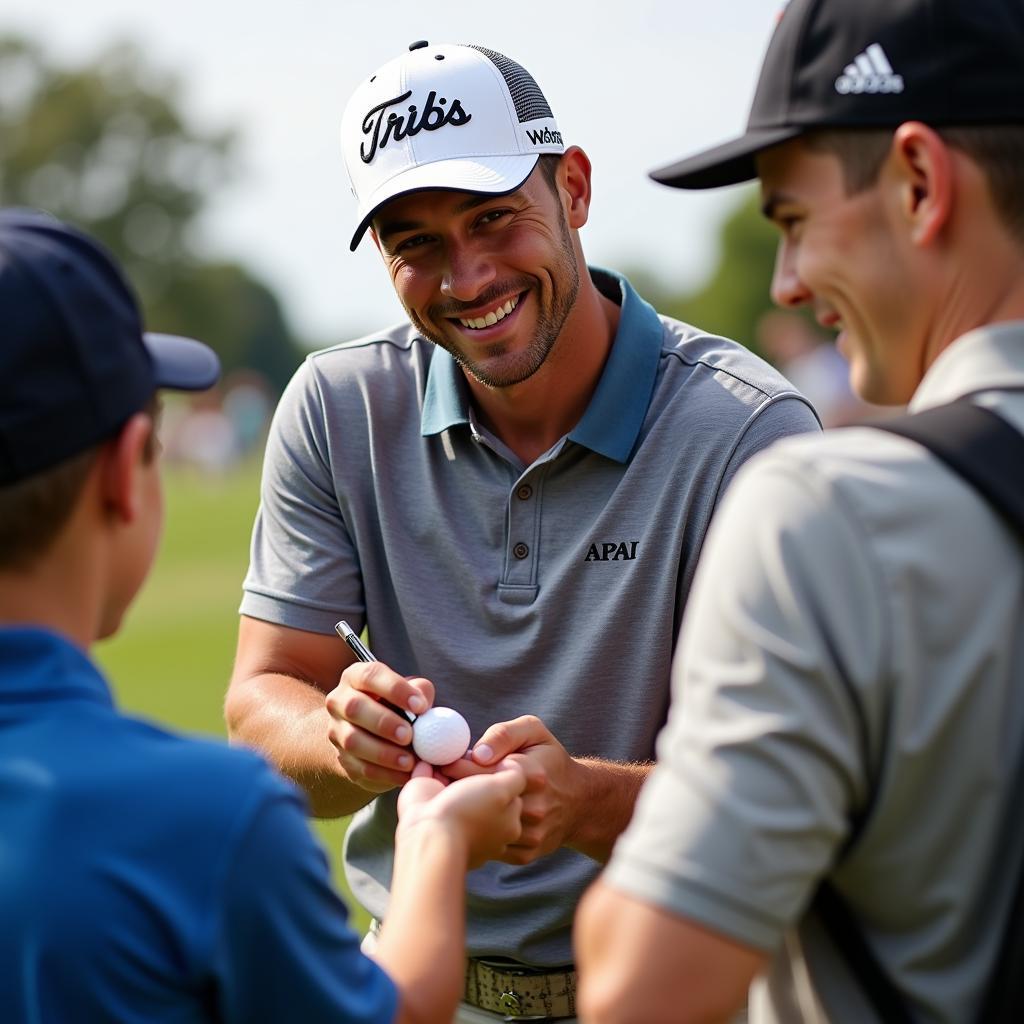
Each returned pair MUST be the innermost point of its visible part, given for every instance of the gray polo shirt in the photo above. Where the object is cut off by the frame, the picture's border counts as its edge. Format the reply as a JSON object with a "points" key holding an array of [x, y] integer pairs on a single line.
{"points": [[853, 650], [552, 589]]}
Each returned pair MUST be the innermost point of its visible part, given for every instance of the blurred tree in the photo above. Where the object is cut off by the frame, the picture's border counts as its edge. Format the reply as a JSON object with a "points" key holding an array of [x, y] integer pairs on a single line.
{"points": [[736, 295], [240, 312], [107, 147]]}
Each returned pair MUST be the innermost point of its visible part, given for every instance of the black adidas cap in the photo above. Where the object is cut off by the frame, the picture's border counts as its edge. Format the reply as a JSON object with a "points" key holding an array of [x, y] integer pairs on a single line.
{"points": [[75, 362], [873, 63]]}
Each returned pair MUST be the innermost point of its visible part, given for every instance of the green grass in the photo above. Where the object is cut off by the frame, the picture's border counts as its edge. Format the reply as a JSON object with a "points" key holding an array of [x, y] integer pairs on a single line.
{"points": [[171, 660]]}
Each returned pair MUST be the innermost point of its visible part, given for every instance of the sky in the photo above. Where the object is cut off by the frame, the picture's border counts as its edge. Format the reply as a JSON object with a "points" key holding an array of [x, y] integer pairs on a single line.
{"points": [[637, 84]]}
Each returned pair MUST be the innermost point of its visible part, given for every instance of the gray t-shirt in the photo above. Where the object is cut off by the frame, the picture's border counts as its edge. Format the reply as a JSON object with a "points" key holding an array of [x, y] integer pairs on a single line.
{"points": [[553, 589], [853, 652]]}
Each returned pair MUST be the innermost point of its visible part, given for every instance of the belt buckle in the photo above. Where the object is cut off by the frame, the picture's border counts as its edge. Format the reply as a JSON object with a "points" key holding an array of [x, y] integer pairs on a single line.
{"points": [[511, 1007], [509, 1004], [512, 991], [512, 1010]]}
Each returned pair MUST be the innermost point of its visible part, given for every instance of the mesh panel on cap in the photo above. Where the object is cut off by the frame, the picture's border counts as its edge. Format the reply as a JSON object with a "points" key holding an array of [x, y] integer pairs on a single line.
{"points": [[526, 94]]}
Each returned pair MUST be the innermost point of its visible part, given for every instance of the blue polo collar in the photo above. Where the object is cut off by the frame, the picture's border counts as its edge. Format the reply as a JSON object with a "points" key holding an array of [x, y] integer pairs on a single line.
{"points": [[612, 421], [39, 667]]}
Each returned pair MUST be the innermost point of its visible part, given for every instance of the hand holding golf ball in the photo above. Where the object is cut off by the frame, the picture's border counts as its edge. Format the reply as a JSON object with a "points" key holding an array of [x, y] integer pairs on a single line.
{"points": [[439, 735]]}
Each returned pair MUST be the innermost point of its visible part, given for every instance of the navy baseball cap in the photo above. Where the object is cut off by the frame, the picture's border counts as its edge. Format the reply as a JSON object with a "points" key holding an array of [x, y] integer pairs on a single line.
{"points": [[873, 64], [75, 363]]}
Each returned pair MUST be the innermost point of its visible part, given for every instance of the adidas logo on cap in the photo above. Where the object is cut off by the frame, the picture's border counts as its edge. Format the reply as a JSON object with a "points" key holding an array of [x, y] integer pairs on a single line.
{"points": [[870, 72], [937, 44]]}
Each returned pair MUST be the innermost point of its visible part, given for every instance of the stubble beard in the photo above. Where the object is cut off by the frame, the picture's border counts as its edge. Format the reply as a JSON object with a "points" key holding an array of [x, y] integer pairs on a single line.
{"points": [[515, 368]]}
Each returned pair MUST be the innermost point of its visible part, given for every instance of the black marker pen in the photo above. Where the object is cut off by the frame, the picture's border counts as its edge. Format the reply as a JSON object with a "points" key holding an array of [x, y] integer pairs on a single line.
{"points": [[363, 653]]}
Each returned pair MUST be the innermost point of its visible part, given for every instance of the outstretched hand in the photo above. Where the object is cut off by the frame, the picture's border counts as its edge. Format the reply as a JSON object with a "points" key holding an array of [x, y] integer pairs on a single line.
{"points": [[554, 783], [483, 811]]}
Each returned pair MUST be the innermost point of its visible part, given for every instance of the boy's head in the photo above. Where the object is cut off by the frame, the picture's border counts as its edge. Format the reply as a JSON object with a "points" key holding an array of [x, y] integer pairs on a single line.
{"points": [[78, 383]]}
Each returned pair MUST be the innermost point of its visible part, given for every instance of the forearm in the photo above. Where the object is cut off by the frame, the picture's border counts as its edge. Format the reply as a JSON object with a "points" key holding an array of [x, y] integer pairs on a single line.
{"points": [[422, 942], [606, 795], [286, 720]]}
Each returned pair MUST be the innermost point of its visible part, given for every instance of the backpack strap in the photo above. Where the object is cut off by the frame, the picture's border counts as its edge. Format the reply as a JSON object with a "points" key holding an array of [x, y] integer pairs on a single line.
{"points": [[979, 445], [845, 932], [988, 453]]}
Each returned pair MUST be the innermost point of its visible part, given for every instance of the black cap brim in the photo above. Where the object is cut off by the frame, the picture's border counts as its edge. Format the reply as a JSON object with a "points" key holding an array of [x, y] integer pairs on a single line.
{"points": [[726, 164], [182, 363]]}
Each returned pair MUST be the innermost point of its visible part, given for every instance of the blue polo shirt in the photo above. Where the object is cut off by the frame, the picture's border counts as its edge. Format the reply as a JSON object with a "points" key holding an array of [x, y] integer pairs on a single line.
{"points": [[149, 878]]}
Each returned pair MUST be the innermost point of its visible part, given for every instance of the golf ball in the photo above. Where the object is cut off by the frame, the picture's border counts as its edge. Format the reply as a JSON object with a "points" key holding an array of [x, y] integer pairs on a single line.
{"points": [[440, 736]]}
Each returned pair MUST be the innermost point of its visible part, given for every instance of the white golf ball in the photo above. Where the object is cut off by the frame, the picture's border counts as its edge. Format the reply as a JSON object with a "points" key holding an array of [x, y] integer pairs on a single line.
{"points": [[440, 736]]}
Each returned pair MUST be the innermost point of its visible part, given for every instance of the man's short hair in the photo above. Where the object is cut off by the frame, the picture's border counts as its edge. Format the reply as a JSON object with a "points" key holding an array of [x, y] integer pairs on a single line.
{"points": [[997, 149], [35, 510], [548, 164]]}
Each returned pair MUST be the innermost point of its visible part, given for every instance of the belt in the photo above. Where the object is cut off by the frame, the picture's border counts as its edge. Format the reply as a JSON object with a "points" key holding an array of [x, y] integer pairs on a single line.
{"points": [[520, 992]]}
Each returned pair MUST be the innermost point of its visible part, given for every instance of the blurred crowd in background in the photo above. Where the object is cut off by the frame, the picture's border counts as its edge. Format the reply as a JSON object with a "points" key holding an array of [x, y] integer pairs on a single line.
{"points": [[217, 429]]}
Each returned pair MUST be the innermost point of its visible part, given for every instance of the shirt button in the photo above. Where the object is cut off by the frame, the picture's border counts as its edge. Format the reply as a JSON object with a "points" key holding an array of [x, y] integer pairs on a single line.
{"points": [[520, 551], [524, 492]]}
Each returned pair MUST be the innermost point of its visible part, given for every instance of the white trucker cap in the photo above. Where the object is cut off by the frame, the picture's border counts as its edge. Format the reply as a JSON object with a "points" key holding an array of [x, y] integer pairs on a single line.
{"points": [[449, 116]]}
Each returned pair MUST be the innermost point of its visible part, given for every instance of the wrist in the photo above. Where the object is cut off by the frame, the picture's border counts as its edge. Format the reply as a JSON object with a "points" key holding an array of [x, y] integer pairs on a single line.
{"points": [[421, 835], [584, 790], [606, 797]]}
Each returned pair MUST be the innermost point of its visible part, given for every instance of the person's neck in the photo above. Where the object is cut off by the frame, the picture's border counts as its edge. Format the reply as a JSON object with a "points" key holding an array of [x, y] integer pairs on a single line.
{"points": [[54, 593], [964, 312], [531, 416], [984, 284]]}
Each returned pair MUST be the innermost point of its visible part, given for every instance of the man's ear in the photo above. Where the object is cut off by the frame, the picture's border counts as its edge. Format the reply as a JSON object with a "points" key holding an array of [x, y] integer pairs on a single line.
{"points": [[573, 180], [122, 461], [925, 175]]}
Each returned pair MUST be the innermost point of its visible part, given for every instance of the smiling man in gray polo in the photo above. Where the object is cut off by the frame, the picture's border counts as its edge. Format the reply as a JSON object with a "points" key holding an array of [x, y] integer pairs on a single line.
{"points": [[510, 491]]}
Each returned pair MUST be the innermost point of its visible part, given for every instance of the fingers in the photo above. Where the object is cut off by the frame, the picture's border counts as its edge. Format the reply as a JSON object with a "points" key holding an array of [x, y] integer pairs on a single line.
{"points": [[547, 800], [533, 840], [504, 738], [376, 682], [511, 818], [484, 812], [371, 739], [369, 767], [510, 778], [496, 825], [465, 768], [423, 785]]}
